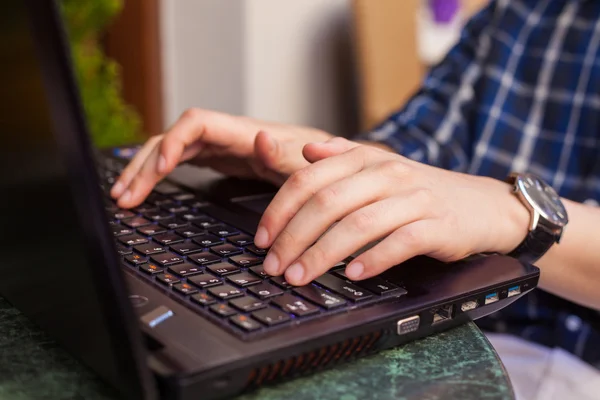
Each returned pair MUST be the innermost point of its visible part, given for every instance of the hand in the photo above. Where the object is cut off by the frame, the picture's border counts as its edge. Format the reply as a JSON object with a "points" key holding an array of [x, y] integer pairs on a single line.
{"points": [[237, 146], [372, 195]]}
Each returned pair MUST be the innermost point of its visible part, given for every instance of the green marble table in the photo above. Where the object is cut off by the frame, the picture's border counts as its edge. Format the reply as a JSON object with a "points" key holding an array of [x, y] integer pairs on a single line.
{"points": [[458, 364]]}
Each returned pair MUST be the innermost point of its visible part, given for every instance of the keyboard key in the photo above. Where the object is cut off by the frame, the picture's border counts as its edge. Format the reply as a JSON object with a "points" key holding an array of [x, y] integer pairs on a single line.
{"points": [[223, 269], [247, 303], [193, 216], [151, 269], [123, 250], [265, 290], [225, 250], [246, 260], [167, 259], [340, 265], [168, 238], [259, 270], [120, 230], [151, 230], [167, 279], [208, 240], [166, 188], [132, 240], [186, 248], [225, 292], [159, 215], [150, 248], [341, 287], [122, 214], [204, 299], [183, 196], [255, 250], [376, 285], [202, 222], [204, 258], [223, 310], [157, 199], [190, 231], [223, 230], [204, 280], [135, 259], [174, 223], [246, 323], [241, 240], [295, 305], [145, 208], [176, 209], [320, 296], [136, 222], [281, 282], [185, 288], [271, 316], [185, 269], [244, 279]]}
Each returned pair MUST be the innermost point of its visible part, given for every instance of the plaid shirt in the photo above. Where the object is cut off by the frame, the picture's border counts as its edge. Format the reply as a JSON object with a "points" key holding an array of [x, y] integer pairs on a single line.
{"points": [[519, 92]]}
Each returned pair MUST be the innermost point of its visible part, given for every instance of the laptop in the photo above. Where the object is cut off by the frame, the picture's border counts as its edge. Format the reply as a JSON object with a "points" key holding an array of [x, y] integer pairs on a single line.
{"points": [[169, 299]]}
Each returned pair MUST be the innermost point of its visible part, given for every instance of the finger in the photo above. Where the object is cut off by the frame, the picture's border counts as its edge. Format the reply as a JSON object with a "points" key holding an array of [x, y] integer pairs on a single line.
{"points": [[358, 229], [277, 158], [143, 181], [133, 167], [314, 152], [198, 127], [302, 185], [417, 238]]}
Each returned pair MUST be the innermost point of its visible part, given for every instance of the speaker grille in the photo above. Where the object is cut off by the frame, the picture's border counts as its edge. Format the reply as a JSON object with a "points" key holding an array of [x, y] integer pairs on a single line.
{"points": [[315, 360]]}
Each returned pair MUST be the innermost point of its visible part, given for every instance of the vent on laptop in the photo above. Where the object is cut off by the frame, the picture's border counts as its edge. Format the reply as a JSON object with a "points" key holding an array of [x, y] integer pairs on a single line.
{"points": [[315, 360]]}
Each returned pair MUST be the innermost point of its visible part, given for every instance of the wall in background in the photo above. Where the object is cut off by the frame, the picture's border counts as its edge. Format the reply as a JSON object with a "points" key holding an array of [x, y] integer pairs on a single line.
{"points": [[286, 61]]}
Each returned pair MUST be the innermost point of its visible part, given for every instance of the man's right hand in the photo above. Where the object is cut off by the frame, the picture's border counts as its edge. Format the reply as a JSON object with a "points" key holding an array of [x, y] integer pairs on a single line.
{"points": [[237, 146]]}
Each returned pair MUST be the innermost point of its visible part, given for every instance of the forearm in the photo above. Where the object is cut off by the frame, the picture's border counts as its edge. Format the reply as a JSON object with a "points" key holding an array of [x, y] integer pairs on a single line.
{"points": [[571, 269]]}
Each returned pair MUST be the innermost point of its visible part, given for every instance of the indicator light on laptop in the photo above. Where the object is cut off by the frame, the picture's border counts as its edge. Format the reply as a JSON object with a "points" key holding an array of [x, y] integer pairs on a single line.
{"points": [[158, 315], [492, 298], [408, 325], [469, 305], [514, 291]]}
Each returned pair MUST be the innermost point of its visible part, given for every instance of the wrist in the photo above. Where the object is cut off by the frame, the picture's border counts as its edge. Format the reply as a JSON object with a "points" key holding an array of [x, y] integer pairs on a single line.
{"points": [[511, 216]]}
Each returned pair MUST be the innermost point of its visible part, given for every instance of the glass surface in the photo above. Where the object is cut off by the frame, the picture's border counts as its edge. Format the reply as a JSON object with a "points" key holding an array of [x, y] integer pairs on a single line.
{"points": [[543, 198]]}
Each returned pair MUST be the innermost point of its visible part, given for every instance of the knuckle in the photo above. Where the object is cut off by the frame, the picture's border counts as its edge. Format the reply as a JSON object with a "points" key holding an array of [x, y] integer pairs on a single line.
{"points": [[409, 238], [362, 220], [192, 113], [302, 178], [286, 240], [394, 168], [325, 198], [424, 197], [315, 256]]}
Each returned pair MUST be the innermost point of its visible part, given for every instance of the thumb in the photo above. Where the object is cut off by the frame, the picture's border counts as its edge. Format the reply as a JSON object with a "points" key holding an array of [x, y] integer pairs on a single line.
{"points": [[282, 157], [314, 152]]}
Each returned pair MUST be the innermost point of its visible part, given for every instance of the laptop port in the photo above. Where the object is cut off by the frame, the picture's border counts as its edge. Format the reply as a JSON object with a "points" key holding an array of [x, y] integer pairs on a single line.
{"points": [[408, 325], [514, 291], [469, 305], [491, 298], [442, 314]]}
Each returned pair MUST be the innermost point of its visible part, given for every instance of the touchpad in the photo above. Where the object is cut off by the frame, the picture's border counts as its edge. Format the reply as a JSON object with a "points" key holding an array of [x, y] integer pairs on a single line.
{"points": [[257, 204]]}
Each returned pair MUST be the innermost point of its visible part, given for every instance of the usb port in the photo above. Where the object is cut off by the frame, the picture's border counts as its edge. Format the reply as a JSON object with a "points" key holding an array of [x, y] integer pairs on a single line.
{"points": [[491, 298], [468, 305], [442, 314], [514, 291]]}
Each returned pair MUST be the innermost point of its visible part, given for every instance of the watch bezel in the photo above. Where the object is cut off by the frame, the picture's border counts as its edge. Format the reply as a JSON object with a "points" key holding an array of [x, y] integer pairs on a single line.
{"points": [[525, 189]]}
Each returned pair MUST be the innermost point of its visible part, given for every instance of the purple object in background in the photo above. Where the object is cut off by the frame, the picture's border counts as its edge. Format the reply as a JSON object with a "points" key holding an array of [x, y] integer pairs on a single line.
{"points": [[444, 10]]}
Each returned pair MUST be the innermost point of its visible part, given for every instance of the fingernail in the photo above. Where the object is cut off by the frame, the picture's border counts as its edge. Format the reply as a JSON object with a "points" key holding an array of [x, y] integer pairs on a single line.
{"points": [[294, 273], [271, 264], [162, 164], [117, 189], [262, 237], [355, 270], [126, 196]]}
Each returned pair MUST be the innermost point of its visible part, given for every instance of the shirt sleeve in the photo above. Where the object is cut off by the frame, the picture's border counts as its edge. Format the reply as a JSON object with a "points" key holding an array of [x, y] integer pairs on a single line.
{"points": [[434, 126]]}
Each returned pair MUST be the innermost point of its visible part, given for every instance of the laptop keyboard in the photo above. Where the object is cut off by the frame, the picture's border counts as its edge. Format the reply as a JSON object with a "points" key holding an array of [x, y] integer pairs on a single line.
{"points": [[216, 270]]}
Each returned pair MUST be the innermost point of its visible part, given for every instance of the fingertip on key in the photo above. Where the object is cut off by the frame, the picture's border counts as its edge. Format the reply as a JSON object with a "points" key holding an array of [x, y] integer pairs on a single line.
{"points": [[355, 270], [262, 237]]}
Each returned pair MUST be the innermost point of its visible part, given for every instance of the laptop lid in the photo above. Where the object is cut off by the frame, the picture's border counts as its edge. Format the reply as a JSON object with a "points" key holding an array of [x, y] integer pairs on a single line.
{"points": [[58, 263]]}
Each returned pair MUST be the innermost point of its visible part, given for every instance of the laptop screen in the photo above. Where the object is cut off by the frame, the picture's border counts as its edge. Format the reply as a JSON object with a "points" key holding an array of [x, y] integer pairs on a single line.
{"points": [[55, 263]]}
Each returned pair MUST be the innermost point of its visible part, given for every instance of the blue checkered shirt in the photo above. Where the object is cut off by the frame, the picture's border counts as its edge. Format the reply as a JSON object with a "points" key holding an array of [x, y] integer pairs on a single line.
{"points": [[519, 92]]}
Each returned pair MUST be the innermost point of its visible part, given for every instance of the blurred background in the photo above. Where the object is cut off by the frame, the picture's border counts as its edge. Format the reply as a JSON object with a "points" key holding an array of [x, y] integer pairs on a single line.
{"points": [[339, 65]]}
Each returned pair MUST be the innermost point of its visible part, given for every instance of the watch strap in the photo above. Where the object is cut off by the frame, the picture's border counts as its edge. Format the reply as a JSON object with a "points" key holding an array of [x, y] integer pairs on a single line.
{"points": [[535, 245]]}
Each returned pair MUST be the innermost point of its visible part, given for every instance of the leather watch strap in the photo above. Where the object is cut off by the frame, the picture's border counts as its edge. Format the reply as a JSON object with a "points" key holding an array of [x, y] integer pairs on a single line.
{"points": [[535, 245]]}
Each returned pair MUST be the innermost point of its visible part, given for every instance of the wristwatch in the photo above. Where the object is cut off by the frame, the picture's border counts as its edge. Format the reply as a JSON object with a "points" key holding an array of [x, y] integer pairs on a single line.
{"points": [[548, 216]]}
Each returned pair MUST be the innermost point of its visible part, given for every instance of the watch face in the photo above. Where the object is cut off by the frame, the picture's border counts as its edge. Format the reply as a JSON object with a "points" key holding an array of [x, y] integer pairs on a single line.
{"points": [[543, 198]]}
